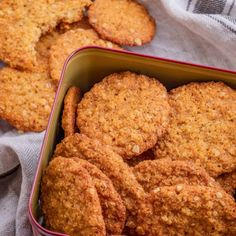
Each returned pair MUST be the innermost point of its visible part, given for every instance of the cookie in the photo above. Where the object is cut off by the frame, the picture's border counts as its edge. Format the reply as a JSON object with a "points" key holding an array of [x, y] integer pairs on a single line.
{"points": [[163, 172], [228, 182], [202, 119], [125, 22], [22, 24], [70, 202], [68, 43], [26, 99], [128, 111], [71, 101], [113, 209], [187, 210], [111, 164]]}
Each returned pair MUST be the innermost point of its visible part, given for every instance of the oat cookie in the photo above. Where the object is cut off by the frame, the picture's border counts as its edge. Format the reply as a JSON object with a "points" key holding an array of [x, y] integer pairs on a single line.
{"points": [[113, 209], [128, 111], [23, 22], [69, 42], [125, 22], [228, 182], [111, 164], [202, 120], [70, 202], [187, 210], [163, 172], [71, 101], [25, 99]]}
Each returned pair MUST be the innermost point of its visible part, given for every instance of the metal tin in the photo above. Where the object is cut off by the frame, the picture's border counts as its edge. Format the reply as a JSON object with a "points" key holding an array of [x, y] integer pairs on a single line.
{"points": [[89, 65]]}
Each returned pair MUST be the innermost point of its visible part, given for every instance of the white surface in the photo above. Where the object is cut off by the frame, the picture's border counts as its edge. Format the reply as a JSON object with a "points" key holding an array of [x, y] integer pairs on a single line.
{"points": [[181, 35]]}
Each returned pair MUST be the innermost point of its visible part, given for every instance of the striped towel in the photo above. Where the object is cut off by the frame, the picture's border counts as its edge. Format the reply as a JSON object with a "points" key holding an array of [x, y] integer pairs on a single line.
{"points": [[213, 20]]}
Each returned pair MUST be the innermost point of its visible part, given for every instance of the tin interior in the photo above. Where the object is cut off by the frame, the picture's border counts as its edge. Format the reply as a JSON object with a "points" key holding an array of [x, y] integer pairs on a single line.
{"points": [[90, 65]]}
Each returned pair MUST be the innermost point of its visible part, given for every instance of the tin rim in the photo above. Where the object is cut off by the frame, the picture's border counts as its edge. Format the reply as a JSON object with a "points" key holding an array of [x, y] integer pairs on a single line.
{"points": [[30, 214]]}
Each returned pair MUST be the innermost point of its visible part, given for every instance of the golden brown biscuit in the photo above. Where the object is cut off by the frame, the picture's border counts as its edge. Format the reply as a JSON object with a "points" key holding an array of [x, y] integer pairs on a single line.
{"points": [[164, 172], [202, 120], [187, 210], [69, 42], [23, 22], [25, 99], [228, 182], [70, 202], [113, 209], [71, 101], [128, 111], [125, 22], [111, 164]]}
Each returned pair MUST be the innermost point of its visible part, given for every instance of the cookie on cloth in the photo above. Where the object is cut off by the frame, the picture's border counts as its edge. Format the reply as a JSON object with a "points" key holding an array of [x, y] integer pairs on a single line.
{"points": [[228, 182], [71, 101], [164, 172], [26, 99], [128, 111], [125, 22], [23, 23], [70, 203], [187, 210], [69, 42], [201, 127], [113, 209]]}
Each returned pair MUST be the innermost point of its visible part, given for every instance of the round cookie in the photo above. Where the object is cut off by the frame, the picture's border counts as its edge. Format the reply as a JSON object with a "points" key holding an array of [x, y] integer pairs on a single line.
{"points": [[71, 101], [113, 209], [26, 99], [187, 210], [128, 111], [70, 202], [125, 22], [22, 24], [202, 120], [111, 164], [164, 172], [69, 42], [228, 182]]}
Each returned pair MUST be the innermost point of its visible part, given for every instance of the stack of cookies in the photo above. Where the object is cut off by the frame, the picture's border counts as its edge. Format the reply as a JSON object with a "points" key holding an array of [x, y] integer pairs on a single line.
{"points": [[36, 37], [138, 160]]}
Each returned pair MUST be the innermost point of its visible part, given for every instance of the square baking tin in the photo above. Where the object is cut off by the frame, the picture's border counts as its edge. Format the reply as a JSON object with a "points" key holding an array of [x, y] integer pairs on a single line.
{"points": [[89, 65]]}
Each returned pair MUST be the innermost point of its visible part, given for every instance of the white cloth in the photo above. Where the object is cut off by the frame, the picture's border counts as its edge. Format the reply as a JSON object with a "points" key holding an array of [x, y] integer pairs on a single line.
{"points": [[197, 31]]}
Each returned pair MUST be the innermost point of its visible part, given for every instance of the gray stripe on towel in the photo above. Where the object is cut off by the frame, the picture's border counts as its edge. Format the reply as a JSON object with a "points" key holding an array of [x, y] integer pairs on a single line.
{"points": [[210, 6]]}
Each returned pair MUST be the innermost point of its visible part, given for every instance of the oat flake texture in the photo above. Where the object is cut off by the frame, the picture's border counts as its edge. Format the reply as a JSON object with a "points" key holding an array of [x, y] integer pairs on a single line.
{"points": [[188, 210]]}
